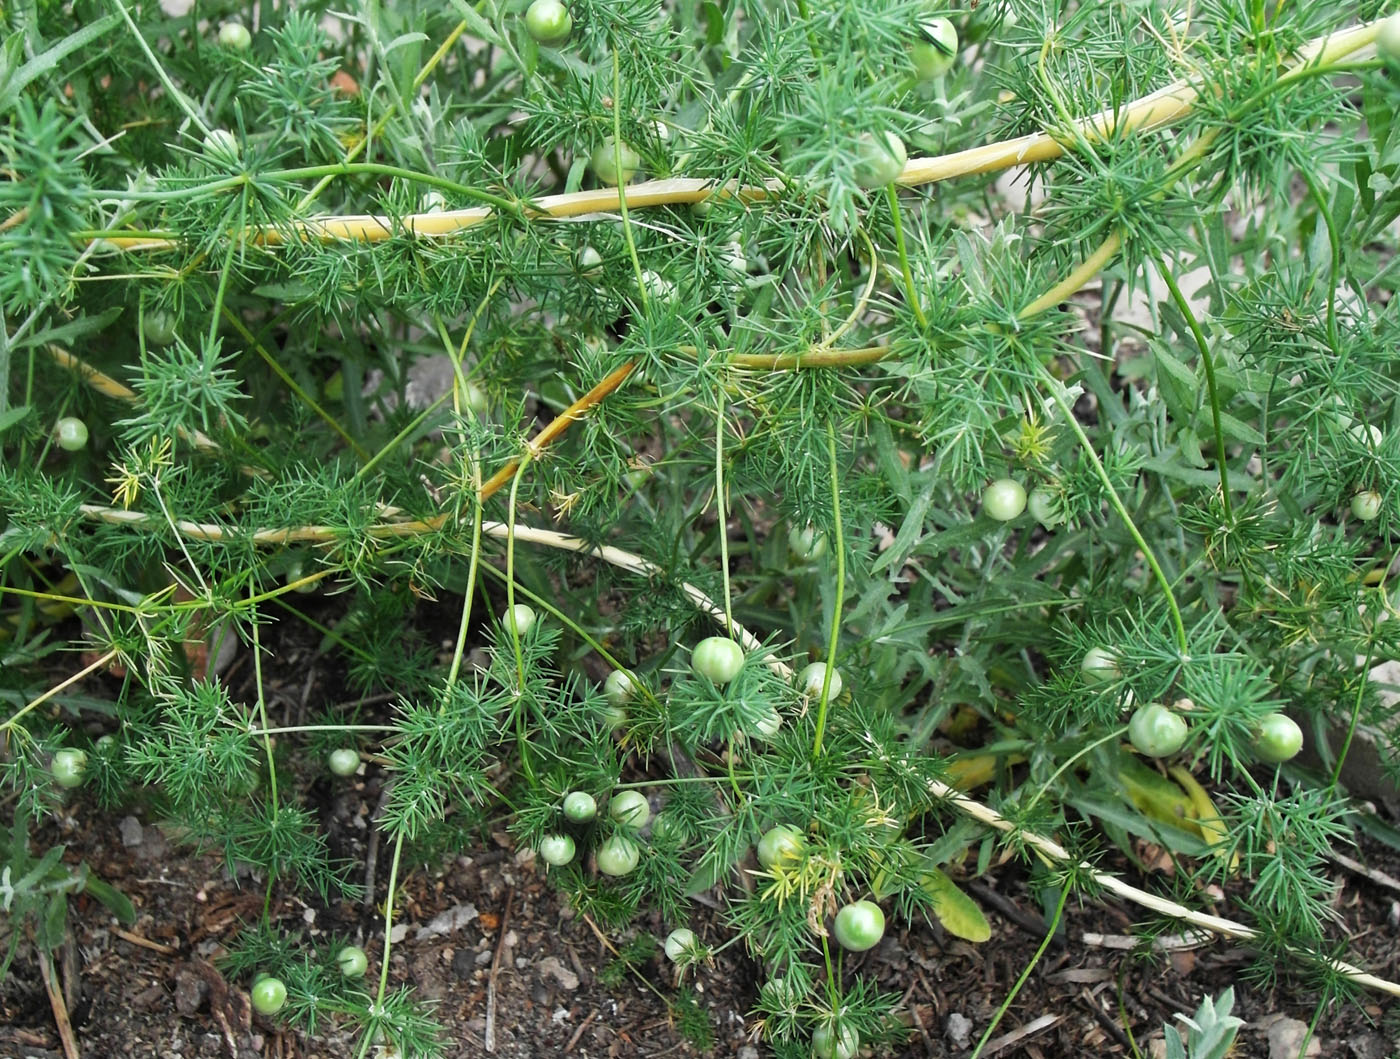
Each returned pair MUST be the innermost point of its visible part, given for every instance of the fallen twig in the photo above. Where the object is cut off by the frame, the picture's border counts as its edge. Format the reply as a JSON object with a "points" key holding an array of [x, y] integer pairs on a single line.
{"points": [[490, 1033], [59, 1005]]}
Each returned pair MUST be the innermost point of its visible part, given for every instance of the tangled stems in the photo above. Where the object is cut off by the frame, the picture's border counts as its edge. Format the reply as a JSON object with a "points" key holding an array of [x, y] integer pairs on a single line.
{"points": [[389, 112], [938, 791], [1153, 111]]}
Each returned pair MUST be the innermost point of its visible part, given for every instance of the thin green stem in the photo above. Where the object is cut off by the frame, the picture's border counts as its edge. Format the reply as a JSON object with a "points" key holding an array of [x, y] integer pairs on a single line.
{"points": [[1334, 265], [181, 100], [1025, 974], [292, 384], [1212, 388], [76, 601], [100, 663], [1057, 395], [722, 514], [293, 728], [1355, 719], [1117, 733], [839, 547], [486, 198], [522, 742], [262, 714], [912, 295], [388, 936], [622, 188], [373, 134], [227, 270]]}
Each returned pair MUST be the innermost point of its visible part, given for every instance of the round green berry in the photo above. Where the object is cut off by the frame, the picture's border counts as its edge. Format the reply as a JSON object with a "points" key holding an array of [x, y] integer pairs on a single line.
{"points": [[159, 327], [353, 961], [1004, 500], [68, 768], [880, 158], [520, 617], [556, 850], [936, 50], [1365, 505], [269, 994], [234, 35], [549, 22], [630, 809], [1278, 738], [580, 806], [614, 164], [717, 658], [71, 433]]}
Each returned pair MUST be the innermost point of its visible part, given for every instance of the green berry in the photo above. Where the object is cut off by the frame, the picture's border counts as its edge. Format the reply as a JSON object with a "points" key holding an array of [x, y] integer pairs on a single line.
{"points": [[68, 768], [1278, 738], [1099, 665], [679, 943], [779, 844], [614, 166], [521, 617], [1388, 40], [580, 806], [353, 961], [234, 35], [828, 1044], [344, 761], [221, 146], [71, 433], [630, 809], [618, 856], [1004, 500], [1157, 731], [556, 850], [159, 327], [811, 678], [269, 994], [1041, 504], [806, 543], [549, 22], [859, 926], [936, 50], [880, 158], [1365, 505], [619, 688], [717, 658]]}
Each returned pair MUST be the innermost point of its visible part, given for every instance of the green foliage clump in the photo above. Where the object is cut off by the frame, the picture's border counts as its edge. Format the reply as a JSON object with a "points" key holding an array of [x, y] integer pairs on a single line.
{"points": [[368, 349]]}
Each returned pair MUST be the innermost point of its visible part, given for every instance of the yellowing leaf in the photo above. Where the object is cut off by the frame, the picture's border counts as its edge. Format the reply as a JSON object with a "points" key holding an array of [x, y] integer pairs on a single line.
{"points": [[959, 914], [1208, 819], [1157, 797]]}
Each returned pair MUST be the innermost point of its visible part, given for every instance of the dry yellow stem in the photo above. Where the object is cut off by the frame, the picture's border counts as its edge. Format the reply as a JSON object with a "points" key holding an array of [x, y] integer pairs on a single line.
{"points": [[1152, 111]]}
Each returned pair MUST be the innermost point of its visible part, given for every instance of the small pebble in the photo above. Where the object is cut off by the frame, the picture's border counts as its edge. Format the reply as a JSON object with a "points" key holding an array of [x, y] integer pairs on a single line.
{"points": [[1286, 1038], [958, 1029], [131, 831], [550, 967]]}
